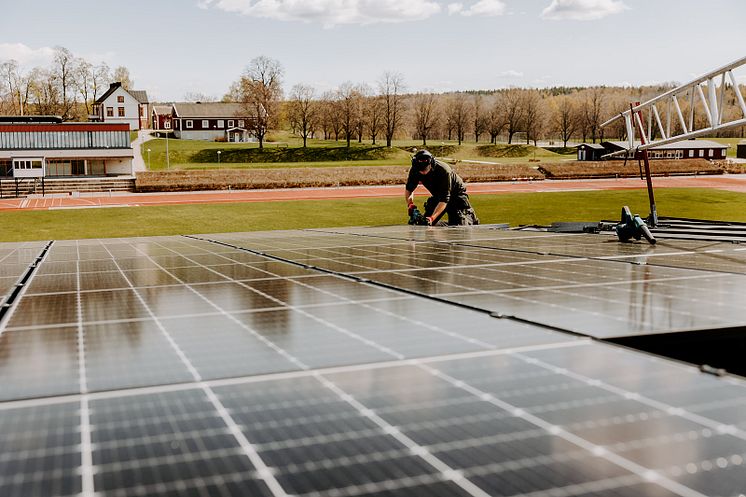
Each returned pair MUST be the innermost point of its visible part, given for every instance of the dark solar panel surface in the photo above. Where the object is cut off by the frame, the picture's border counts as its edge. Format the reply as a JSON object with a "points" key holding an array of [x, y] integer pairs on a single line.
{"points": [[588, 284], [176, 366]]}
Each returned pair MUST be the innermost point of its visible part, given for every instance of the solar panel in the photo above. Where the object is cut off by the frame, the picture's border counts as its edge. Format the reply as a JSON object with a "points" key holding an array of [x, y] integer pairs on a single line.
{"points": [[363, 362]]}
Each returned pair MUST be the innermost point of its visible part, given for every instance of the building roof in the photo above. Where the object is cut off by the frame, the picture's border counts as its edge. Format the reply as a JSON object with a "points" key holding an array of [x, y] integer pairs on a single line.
{"points": [[139, 95], [684, 144], [209, 109], [595, 146], [162, 110]]}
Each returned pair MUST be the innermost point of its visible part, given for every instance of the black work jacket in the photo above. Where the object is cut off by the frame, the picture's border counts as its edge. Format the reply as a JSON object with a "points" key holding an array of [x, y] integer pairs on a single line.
{"points": [[442, 182]]}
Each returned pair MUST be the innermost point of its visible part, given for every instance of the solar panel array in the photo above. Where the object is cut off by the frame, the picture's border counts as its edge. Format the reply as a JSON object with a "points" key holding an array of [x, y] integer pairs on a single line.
{"points": [[384, 362]]}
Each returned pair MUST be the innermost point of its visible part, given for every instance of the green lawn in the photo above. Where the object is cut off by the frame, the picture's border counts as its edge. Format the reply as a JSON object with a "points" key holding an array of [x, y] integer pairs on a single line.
{"points": [[193, 154], [515, 209]]}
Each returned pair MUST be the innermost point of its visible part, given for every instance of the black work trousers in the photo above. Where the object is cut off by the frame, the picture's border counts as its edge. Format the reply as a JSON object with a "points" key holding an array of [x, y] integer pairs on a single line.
{"points": [[459, 210]]}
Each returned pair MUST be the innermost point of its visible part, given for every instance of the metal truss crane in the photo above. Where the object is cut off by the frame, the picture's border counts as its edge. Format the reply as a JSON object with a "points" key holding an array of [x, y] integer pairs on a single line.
{"points": [[670, 117]]}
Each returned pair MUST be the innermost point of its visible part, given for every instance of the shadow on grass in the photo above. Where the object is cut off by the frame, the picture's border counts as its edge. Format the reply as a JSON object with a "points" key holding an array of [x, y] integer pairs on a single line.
{"points": [[310, 154]]}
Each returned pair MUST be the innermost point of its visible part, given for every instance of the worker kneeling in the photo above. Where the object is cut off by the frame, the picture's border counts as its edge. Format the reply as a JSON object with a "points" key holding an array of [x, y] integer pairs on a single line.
{"points": [[447, 190]]}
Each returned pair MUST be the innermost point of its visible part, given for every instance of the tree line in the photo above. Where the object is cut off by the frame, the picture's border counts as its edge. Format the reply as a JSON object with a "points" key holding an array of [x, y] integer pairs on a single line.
{"points": [[68, 87], [385, 111]]}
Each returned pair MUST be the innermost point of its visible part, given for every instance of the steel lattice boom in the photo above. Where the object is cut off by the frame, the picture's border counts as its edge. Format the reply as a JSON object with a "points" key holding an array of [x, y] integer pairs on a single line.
{"points": [[670, 117]]}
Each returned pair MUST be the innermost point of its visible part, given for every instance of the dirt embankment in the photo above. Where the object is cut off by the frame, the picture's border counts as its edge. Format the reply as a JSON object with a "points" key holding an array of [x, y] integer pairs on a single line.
{"points": [[246, 179], [243, 179], [630, 168]]}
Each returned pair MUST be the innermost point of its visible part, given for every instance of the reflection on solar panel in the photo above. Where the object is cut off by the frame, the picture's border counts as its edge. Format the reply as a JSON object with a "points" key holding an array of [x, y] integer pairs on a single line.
{"points": [[370, 361]]}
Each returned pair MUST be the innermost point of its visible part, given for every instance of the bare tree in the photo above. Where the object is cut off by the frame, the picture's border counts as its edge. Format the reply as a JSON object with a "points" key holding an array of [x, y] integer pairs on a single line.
{"points": [[458, 112], [478, 116], [532, 115], [83, 81], [391, 87], [425, 115], [44, 91], [100, 79], [495, 121], [64, 72], [564, 118], [373, 116], [594, 108], [122, 75], [16, 86], [261, 92], [303, 110], [348, 101], [363, 91], [195, 96], [511, 102]]}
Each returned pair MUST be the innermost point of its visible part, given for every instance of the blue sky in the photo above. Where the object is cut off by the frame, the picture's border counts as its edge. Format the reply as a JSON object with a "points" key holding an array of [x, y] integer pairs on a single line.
{"points": [[177, 46]]}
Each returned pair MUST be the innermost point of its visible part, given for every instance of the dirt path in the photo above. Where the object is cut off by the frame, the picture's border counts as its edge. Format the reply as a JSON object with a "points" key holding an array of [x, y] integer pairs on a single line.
{"points": [[735, 183]]}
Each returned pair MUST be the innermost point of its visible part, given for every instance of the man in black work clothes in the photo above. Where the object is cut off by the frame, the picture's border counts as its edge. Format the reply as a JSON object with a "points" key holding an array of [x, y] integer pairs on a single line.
{"points": [[446, 187]]}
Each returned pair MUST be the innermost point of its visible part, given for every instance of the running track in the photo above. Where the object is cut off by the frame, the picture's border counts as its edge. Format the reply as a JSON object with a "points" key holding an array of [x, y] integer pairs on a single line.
{"points": [[735, 183]]}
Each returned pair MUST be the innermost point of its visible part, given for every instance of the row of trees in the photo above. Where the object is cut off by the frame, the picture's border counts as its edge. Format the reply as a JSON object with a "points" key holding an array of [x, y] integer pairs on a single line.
{"points": [[557, 114], [360, 111], [352, 111], [67, 87]]}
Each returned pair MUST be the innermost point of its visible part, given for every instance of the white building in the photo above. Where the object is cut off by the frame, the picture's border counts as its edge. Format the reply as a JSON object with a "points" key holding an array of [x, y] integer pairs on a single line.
{"points": [[118, 105], [36, 146]]}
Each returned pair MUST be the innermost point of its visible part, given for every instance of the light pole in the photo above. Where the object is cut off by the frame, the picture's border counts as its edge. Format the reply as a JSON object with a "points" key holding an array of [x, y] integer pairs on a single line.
{"points": [[167, 125], [148, 158], [219, 152]]}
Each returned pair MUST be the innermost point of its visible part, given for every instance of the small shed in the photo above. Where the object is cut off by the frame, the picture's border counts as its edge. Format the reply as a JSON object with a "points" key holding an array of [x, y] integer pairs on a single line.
{"points": [[591, 151]]}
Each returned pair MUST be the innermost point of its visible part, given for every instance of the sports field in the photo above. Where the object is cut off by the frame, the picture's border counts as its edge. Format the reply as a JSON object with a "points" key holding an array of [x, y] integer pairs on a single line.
{"points": [[513, 208]]}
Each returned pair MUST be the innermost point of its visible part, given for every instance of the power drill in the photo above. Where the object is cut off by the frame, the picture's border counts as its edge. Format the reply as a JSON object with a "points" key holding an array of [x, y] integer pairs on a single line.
{"points": [[416, 218]]}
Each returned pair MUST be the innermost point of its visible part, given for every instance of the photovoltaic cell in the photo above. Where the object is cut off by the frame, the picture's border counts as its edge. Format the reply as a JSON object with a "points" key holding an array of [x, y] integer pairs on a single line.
{"points": [[365, 362]]}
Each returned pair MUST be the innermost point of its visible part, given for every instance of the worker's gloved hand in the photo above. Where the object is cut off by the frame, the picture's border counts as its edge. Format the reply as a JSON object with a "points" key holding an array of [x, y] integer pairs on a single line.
{"points": [[429, 220], [410, 208]]}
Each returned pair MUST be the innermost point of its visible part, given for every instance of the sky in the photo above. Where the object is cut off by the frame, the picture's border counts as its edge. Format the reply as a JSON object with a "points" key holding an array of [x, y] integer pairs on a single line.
{"points": [[176, 47]]}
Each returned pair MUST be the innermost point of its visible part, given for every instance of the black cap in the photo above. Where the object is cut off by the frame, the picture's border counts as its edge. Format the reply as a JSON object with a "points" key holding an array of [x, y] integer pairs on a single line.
{"points": [[422, 159]]}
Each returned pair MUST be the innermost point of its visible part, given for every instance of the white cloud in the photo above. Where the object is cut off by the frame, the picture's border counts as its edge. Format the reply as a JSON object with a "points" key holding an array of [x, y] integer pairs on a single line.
{"points": [[482, 8], [25, 55], [330, 12], [455, 8], [511, 73], [582, 10]]}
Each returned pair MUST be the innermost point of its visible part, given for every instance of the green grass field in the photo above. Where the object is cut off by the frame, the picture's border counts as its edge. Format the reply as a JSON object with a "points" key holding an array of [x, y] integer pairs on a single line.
{"points": [[284, 150], [515, 209]]}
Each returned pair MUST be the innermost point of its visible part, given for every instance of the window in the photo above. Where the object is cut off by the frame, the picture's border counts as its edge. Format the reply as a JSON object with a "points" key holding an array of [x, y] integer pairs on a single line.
{"points": [[120, 99], [240, 123], [221, 124], [120, 111], [189, 124], [205, 124], [701, 153], [167, 125], [710, 153], [691, 153], [230, 123], [110, 112]]}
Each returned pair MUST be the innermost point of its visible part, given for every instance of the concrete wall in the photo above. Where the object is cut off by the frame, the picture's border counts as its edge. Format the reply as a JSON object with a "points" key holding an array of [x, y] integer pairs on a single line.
{"points": [[119, 166]]}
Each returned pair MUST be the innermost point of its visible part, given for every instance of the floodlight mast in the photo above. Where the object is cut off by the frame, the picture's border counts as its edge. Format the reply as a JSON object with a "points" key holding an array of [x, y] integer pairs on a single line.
{"points": [[711, 105]]}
